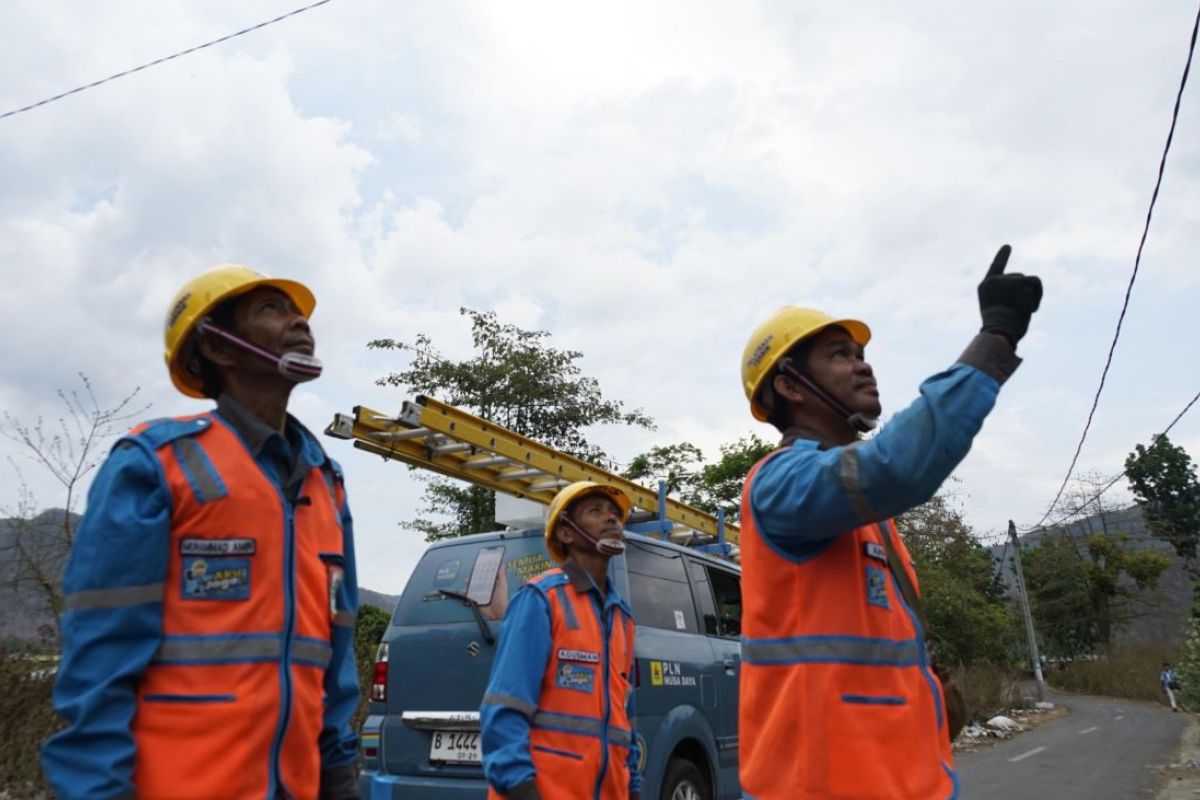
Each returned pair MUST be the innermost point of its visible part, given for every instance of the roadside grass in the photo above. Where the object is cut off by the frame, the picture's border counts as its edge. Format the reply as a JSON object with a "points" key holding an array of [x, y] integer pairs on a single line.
{"points": [[26, 721], [1129, 672]]}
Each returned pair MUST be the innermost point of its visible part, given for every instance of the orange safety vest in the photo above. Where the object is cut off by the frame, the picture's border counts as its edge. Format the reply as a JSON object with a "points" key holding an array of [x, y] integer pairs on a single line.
{"points": [[837, 696], [232, 704], [581, 736]]}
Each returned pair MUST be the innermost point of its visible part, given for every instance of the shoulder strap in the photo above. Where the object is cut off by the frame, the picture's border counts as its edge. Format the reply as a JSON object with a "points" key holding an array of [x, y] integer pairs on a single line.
{"points": [[901, 575]]}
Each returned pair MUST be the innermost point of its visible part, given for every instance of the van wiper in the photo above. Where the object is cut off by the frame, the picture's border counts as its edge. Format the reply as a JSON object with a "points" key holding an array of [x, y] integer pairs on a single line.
{"points": [[486, 631]]}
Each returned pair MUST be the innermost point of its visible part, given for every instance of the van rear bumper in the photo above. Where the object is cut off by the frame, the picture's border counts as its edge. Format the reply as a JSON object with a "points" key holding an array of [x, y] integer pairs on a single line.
{"points": [[376, 786]]}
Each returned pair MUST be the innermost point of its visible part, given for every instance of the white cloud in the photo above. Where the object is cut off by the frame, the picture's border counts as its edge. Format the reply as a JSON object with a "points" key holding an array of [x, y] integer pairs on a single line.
{"points": [[646, 182]]}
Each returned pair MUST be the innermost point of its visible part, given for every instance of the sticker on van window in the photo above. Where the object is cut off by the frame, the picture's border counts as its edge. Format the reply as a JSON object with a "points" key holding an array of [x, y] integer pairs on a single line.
{"points": [[447, 571], [680, 623], [484, 574]]}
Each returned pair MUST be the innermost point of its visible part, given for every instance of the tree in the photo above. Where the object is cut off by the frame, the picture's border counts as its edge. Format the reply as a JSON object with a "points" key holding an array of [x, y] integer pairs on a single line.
{"points": [[369, 627], [708, 487], [1163, 480], [69, 449], [515, 379], [964, 606], [1082, 589]]}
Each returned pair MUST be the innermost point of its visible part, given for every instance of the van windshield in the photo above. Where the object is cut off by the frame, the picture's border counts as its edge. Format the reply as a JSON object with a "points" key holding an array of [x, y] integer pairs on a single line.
{"points": [[489, 572]]}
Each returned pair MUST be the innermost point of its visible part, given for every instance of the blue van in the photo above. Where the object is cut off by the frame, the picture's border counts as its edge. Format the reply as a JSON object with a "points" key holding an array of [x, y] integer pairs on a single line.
{"points": [[421, 738]]}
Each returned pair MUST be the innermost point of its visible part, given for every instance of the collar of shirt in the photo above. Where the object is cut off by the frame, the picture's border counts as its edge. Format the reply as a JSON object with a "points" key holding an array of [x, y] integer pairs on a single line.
{"points": [[295, 448], [582, 582]]}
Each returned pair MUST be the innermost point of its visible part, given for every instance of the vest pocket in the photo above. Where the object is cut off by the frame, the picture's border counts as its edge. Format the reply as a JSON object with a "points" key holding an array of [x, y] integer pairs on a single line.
{"points": [[189, 698], [557, 752], [876, 747]]}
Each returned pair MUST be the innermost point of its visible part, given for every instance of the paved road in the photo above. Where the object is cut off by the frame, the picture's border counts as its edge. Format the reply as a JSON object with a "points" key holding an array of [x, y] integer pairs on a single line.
{"points": [[1104, 749]]}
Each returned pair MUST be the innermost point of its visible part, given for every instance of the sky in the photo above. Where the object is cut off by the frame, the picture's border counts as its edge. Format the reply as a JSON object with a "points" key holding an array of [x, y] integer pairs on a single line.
{"points": [[645, 181]]}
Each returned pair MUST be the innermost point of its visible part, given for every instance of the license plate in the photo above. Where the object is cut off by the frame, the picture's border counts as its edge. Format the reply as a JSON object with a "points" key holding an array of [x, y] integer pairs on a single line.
{"points": [[455, 747]]}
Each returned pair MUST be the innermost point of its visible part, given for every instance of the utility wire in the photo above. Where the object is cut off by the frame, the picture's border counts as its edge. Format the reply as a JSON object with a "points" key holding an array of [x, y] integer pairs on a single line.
{"points": [[156, 62], [1111, 483], [1133, 277]]}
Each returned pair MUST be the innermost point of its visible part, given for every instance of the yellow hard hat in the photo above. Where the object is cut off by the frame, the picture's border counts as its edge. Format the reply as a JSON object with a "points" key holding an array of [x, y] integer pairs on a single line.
{"points": [[779, 334], [569, 494], [201, 295]]}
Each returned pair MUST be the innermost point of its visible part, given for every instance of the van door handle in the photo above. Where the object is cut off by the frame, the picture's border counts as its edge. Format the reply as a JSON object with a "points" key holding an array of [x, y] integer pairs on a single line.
{"points": [[731, 664]]}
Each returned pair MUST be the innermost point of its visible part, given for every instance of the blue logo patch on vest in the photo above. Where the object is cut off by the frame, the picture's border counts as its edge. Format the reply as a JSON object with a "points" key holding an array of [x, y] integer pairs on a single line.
{"points": [[575, 677], [216, 578], [877, 588]]}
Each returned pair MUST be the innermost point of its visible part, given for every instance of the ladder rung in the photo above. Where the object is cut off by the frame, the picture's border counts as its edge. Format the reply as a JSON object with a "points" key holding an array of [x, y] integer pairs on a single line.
{"points": [[486, 462], [520, 474], [547, 486], [453, 447], [399, 436]]}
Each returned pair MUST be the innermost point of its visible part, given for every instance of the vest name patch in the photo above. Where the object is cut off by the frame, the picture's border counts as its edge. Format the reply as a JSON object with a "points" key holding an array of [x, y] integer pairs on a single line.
{"points": [[576, 678], [216, 547], [216, 578], [875, 550], [586, 656]]}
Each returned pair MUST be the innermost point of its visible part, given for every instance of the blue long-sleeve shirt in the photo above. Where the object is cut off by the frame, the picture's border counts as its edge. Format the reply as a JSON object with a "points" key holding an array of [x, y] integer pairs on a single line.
{"points": [[809, 494], [112, 625], [522, 656]]}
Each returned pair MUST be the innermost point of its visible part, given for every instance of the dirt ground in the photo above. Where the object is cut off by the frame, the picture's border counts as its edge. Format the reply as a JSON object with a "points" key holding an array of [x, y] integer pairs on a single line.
{"points": [[1181, 780]]}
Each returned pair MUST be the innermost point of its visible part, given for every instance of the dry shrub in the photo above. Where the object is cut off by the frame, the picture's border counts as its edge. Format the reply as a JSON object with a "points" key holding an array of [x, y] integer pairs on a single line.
{"points": [[1130, 672], [26, 721], [989, 690]]}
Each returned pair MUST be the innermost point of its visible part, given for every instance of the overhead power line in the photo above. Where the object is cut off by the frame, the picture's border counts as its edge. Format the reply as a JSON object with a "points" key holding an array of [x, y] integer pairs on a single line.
{"points": [[1111, 483], [1133, 276], [162, 60]]}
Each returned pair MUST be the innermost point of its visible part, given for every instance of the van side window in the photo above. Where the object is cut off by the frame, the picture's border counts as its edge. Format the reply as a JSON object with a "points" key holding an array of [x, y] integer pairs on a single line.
{"points": [[727, 588], [719, 598], [658, 584]]}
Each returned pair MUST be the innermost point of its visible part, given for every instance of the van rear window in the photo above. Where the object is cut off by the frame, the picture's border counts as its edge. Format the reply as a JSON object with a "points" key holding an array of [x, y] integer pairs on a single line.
{"points": [[489, 572]]}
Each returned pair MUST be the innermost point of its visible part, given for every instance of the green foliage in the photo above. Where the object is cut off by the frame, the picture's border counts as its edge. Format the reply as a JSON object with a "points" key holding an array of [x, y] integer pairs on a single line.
{"points": [[1163, 480], [1189, 664], [708, 487], [963, 604], [517, 380], [1082, 588], [369, 627]]}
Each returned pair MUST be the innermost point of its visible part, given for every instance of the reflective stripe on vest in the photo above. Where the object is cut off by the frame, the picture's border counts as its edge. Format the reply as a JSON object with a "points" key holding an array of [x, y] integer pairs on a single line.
{"points": [[232, 702], [581, 735], [831, 650]]}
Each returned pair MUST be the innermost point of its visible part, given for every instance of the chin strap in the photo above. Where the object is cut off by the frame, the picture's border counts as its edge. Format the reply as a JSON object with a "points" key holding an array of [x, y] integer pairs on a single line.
{"points": [[293, 366], [605, 547], [862, 423]]}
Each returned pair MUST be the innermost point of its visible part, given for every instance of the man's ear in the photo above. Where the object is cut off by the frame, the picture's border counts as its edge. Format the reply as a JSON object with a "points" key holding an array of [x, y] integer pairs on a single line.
{"points": [[564, 534], [788, 388], [215, 350]]}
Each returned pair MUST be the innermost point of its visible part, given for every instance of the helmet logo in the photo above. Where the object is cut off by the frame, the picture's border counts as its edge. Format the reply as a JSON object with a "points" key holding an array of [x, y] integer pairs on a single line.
{"points": [[761, 351], [178, 309]]}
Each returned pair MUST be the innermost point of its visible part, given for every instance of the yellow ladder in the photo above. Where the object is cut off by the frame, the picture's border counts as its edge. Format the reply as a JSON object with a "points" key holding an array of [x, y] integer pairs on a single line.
{"points": [[437, 436]]}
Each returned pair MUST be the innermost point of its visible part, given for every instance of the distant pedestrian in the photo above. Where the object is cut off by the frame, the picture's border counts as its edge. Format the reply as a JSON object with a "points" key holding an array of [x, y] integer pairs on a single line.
{"points": [[1168, 679]]}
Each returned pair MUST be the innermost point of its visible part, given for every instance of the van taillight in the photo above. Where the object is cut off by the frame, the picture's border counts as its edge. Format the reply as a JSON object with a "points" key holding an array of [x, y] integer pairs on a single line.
{"points": [[379, 681]]}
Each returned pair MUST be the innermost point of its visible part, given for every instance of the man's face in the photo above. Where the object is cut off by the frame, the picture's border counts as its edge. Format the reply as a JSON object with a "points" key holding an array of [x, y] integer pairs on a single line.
{"points": [[596, 514], [836, 363], [268, 318]]}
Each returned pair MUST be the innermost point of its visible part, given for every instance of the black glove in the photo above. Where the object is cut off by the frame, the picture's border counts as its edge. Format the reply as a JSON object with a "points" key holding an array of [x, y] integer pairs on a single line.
{"points": [[1006, 302], [525, 791]]}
